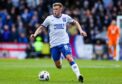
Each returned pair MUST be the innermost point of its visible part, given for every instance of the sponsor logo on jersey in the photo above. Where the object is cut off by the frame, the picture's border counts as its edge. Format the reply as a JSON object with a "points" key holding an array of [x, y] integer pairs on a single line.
{"points": [[58, 26]]}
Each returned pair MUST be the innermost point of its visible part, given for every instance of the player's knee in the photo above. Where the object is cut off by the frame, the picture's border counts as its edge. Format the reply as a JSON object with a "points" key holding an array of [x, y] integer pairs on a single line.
{"points": [[69, 58], [59, 66]]}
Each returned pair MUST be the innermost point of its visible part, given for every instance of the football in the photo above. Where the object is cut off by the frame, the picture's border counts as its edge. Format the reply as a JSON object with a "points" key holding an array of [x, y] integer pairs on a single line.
{"points": [[44, 76]]}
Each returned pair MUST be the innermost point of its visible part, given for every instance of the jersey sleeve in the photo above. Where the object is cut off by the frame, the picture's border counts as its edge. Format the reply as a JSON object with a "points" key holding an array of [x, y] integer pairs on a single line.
{"points": [[69, 19], [46, 22]]}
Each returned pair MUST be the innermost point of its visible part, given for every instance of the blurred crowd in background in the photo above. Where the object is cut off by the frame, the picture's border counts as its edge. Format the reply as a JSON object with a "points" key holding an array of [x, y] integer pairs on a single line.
{"points": [[20, 18]]}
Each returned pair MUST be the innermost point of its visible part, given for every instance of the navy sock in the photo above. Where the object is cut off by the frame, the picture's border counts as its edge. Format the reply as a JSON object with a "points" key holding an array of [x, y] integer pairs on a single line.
{"points": [[71, 63]]}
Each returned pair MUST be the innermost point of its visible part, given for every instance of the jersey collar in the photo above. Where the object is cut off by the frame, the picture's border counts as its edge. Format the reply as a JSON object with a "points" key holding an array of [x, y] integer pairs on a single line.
{"points": [[58, 16]]}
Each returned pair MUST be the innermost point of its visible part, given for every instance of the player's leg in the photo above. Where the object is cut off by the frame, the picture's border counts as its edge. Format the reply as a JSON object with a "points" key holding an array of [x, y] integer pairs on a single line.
{"points": [[74, 67], [66, 50], [115, 51], [110, 49], [58, 64], [55, 53]]}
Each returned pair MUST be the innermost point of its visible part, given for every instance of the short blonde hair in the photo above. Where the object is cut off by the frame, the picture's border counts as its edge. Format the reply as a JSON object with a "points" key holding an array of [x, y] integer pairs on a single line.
{"points": [[58, 4]]}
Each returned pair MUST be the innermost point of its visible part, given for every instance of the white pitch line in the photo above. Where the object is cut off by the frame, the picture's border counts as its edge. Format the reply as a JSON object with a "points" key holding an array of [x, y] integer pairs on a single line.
{"points": [[65, 66], [94, 66]]}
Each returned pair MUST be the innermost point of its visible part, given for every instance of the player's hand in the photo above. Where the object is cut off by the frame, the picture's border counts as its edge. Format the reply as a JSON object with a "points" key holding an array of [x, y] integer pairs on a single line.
{"points": [[32, 36], [83, 33]]}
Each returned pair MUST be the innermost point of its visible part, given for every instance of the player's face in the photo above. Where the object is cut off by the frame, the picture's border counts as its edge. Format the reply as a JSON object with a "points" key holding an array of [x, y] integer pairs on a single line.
{"points": [[57, 11]]}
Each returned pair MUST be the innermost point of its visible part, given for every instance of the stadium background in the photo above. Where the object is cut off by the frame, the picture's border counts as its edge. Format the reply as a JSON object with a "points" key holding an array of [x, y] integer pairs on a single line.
{"points": [[20, 18]]}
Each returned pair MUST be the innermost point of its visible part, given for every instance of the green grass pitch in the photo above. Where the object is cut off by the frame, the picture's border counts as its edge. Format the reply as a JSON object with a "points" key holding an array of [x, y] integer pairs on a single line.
{"points": [[26, 72]]}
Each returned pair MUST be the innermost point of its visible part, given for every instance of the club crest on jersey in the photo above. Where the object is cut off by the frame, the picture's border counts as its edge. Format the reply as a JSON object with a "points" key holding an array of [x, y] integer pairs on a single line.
{"points": [[64, 19]]}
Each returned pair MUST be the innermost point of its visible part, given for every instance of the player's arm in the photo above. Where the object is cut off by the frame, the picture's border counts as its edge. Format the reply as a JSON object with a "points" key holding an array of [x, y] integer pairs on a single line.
{"points": [[40, 28], [38, 31], [79, 28], [118, 34]]}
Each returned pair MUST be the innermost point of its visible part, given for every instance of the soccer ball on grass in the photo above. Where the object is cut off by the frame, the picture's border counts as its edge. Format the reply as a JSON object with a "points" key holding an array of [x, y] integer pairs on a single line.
{"points": [[44, 76]]}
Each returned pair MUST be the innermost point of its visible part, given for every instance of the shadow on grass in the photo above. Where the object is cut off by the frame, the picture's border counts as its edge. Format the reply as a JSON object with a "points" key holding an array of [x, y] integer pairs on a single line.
{"points": [[60, 82]]}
